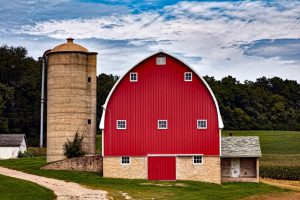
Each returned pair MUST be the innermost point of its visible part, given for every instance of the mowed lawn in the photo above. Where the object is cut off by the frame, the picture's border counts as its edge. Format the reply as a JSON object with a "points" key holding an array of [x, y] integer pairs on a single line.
{"points": [[15, 189], [143, 189]]}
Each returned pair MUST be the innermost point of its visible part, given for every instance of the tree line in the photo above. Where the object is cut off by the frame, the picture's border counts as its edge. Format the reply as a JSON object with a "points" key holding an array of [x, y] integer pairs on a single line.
{"points": [[267, 103]]}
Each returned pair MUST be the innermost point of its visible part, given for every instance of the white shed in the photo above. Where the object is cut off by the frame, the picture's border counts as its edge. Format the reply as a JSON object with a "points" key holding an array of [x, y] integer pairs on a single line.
{"points": [[11, 144]]}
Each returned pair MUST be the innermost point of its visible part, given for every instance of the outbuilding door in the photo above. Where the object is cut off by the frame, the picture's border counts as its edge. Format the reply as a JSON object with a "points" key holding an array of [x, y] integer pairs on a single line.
{"points": [[235, 167], [162, 168]]}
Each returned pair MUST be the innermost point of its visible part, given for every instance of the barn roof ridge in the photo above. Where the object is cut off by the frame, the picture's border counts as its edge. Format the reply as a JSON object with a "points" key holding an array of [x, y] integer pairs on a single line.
{"points": [[220, 121]]}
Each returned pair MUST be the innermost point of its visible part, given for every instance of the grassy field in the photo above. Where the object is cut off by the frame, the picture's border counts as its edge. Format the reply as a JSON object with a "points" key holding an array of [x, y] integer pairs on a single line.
{"points": [[15, 189], [281, 152], [142, 189]]}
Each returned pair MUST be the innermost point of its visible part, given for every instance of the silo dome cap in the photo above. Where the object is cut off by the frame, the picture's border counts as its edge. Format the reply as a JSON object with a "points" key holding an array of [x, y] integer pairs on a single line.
{"points": [[69, 46]]}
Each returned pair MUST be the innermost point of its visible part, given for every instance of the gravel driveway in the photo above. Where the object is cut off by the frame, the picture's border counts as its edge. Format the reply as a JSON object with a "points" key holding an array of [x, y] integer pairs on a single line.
{"points": [[62, 189]]}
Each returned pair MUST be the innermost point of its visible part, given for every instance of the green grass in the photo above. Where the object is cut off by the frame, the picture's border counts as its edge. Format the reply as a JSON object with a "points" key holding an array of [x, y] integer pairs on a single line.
{"points": [[136, 189], [274, 142], [11, 188]]}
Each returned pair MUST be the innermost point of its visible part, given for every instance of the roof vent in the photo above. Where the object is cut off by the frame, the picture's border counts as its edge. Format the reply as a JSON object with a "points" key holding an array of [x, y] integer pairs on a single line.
{"points": [[70, 40]]}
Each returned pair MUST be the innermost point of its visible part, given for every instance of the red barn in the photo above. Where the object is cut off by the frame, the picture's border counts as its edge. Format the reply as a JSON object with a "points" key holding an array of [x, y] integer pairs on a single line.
{"points": [[161, 121]]}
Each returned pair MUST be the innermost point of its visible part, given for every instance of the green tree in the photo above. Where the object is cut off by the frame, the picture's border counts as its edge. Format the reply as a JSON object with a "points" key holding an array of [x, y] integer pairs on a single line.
{"points": [[23, 75], [104, 85], [6, 94]]}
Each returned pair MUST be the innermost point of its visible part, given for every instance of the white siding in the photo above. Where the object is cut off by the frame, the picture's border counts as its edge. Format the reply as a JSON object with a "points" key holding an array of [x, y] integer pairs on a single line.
{"points": [[12, 152], [9, 152], [23, 146]]}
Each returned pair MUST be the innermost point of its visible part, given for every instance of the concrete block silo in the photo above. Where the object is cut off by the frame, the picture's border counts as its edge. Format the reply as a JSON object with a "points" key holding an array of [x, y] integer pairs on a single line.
{"points": [[71, 98]]}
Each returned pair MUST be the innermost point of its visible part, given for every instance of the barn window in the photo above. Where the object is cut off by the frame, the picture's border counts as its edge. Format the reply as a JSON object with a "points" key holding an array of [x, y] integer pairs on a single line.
{"points": [[162, 124], [125, 160], [188, 76], [121, 124], [202, 124], [133, 77], [161, 60], [197, 160]]}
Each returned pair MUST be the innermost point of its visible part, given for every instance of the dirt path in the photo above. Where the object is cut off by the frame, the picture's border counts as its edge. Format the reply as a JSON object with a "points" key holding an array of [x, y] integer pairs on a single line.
{"points": [[280, 196], [62, 189], [292, 185]]}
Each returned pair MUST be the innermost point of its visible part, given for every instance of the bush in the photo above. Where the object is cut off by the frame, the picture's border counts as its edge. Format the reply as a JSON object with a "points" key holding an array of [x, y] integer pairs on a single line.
{"points": [[33, 152], [74, 148], [280, 172]]}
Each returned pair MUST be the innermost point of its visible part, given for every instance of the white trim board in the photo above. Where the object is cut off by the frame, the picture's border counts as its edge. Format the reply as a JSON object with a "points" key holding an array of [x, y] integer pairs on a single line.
{"points": [[173, 155]]}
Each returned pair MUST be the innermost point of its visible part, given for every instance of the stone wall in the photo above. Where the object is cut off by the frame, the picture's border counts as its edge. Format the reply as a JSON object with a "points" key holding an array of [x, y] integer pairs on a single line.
{"points": [[86, 163], [137, 169], [209, 171]]}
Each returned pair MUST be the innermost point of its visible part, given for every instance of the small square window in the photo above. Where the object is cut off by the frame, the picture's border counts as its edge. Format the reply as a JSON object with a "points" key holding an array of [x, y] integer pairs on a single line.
{"points": [[121, 124], [125, 160], [202, 124], [133, 77], [89, 79], [161, 60], [197, 160], [162, 124], [188, 76], [89, 121]]}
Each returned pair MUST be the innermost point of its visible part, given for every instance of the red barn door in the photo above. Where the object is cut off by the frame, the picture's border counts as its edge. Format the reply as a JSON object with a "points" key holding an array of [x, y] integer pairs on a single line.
{"points": [[162, 168]]}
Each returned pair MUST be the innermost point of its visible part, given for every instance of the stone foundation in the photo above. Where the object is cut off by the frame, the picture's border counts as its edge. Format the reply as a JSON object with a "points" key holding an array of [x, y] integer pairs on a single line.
{"points": [[86, 163], [209, 171], [137, 169]]}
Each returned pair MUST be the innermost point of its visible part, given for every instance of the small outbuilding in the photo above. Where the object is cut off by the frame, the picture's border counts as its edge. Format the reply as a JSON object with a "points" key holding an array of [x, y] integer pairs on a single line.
{"points": [[11, 145], [240, 159]]}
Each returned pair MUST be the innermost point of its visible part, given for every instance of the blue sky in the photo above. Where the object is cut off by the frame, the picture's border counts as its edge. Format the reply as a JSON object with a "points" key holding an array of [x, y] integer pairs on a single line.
{"points": [[245, 39]]}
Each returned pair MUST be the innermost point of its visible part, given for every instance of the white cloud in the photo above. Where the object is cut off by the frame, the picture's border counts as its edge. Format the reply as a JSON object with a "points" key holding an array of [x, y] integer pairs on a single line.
{"points": [[211, 30]]}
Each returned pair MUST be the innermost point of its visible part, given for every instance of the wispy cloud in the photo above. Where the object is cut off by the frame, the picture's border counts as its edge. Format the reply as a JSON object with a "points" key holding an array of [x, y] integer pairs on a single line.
{"points": [[247, 39], [284, 49]]}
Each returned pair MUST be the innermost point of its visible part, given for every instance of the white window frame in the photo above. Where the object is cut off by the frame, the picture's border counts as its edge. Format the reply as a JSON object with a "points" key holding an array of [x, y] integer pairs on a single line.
{"points": [[121, 160], [121, 121], [130, 78], [161, 60], [162, 120], [185, 73], [196, 163], [199, 127]]}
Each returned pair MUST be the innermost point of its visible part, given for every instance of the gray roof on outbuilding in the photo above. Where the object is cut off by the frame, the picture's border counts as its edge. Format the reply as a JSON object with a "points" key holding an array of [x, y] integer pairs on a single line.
{"points": [[240, 146], [11, 140]]}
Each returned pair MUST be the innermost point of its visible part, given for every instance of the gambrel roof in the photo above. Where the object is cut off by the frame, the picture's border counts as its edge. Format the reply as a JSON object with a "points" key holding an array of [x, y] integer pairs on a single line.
{"points": [[240, 146], [11, 140], [220, 121]]}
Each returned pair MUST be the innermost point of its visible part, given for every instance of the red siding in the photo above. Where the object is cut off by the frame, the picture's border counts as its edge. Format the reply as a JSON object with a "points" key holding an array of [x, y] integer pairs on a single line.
{"points": [[161, 168], [161, 93]]}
